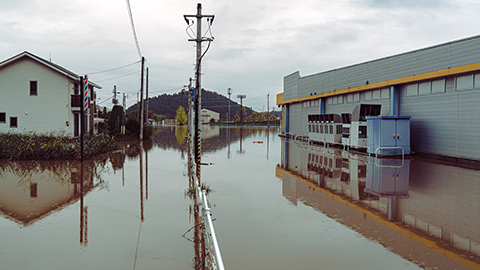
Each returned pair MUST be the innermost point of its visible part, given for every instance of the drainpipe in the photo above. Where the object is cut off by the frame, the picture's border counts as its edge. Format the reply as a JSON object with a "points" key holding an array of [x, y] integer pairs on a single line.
{"points": [[394, 100]]}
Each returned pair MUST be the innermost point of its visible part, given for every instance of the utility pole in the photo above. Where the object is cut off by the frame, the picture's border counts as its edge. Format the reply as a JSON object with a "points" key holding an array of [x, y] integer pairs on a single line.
{"points": [[229, 94], [241, 97], [141, 100], [268, 109], [115, 101], [146, 100], [197, 100], [82, 117], [123, 118]]}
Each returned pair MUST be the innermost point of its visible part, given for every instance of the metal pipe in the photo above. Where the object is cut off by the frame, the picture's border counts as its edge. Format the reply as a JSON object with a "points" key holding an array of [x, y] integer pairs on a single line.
{"points": [[216, 248]]}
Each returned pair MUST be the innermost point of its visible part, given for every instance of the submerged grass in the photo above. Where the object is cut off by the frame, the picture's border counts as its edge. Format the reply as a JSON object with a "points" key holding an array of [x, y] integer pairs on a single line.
{"points": [[30, 146]]}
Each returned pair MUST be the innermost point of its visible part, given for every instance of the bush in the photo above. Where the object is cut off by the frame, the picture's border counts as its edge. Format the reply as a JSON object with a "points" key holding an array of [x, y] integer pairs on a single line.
{"points": [[132, 129], [52, 146]]}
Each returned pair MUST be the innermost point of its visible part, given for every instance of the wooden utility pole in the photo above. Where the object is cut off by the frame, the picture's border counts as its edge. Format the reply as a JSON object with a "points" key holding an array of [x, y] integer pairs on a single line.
{"points": [[141, 101], [146, 100], [268, 109]]}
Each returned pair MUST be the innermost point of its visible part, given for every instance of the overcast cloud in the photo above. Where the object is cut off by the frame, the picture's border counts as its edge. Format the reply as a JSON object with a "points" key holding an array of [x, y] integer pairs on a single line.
{"points": [[256, 43]]}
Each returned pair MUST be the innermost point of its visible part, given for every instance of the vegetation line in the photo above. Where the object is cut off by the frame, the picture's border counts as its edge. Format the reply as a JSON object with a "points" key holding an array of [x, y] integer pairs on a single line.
{"points": [[32, 146]]}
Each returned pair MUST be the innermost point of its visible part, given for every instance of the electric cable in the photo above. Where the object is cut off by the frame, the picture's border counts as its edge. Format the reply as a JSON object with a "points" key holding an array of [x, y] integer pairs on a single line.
{"points": [[129, 74], [133, 29], [113, 69], [189, 27]]}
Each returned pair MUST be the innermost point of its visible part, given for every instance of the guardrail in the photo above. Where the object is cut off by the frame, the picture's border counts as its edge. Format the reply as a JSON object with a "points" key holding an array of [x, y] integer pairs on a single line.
{"points": [[210, 231]]}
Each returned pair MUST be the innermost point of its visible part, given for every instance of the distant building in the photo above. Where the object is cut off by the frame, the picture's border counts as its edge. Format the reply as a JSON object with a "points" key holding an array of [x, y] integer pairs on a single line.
{"points": [[208, 115], [37, 95], [438, 86]]}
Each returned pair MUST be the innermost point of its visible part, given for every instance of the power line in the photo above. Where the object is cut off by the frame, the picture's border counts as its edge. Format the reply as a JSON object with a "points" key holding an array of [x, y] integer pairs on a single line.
{"points": [[113, 69], [133, 29], [105, 100], [118, 77]]}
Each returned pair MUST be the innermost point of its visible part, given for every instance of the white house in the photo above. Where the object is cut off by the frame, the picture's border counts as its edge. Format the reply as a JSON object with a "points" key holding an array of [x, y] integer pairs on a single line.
{"points": [[208, 115], [39, 96]]}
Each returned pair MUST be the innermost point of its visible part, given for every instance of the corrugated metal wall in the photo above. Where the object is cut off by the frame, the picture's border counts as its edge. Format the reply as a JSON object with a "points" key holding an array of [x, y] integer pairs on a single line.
{"points": [[438, 57], [445, 123], [445, 111]]}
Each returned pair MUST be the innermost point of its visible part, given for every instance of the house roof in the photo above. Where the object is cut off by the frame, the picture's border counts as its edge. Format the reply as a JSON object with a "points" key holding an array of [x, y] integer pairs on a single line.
{"points": [[47, 63]]}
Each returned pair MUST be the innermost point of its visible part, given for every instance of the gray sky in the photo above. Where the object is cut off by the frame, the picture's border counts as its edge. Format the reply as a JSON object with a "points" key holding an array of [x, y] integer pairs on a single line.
{"points": [[256, 43]]}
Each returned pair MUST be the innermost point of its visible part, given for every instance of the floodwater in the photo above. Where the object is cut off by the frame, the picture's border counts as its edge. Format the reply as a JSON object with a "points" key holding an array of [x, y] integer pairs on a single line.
{"points": [[277, 204]]}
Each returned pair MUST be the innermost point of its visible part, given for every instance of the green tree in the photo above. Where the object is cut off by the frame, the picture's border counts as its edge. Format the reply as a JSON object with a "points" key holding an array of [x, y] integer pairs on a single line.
{"points": [[181, 116]]}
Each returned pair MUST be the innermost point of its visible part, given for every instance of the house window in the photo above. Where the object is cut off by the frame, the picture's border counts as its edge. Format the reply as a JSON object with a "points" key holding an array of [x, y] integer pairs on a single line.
{"points": [[33, 190], [33, 88], [3, 117], [13, 122]]}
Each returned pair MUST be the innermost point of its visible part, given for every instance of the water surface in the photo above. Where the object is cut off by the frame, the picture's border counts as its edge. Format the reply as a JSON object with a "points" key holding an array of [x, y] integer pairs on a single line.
{"points": [[277, 205]]}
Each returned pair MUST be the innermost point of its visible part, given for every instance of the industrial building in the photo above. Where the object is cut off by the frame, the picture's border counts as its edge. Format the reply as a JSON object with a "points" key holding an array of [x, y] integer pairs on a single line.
{"points": [[437, 86]]}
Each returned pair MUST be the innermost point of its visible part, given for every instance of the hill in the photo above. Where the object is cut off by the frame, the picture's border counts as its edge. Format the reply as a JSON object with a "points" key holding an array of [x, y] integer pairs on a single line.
{"points": [[168, 104]]}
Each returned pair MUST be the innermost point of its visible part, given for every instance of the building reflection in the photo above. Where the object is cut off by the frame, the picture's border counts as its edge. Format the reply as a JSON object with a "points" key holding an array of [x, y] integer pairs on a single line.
{"points": [[32, 190], [422, 210]]}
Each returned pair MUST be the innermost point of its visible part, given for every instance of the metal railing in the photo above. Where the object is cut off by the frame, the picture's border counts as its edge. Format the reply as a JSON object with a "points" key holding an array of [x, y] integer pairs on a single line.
{"points": [[210, 232]]}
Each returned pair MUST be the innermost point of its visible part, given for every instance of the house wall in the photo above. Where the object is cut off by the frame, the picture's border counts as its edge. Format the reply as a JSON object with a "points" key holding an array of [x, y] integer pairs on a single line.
{"points": [[48, 111]]}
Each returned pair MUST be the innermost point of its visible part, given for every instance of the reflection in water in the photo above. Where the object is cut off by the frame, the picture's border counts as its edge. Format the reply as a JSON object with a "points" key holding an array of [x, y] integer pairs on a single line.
{"points": [[32, 190], [198, 226], [426, 212], [214, 138], [83, 208], [180, 133]]}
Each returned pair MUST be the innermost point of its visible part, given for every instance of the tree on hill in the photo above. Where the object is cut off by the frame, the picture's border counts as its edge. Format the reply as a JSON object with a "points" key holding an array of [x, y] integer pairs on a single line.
{"points": [[260, 117], [167, 104]]}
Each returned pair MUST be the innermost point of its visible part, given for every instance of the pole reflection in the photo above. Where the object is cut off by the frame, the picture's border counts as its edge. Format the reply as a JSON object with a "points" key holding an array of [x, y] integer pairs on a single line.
{"points": [[83, 208], [198, 227]]}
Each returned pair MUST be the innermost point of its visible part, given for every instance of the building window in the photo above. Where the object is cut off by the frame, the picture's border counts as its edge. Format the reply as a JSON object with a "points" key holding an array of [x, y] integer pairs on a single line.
{"points": [[3, 117], [368, 95], [76, 90], [464, 82], [438, 86], [385, 93], [33, 88], [13, 122], [424, 88], [412, 89], [477, 81]]}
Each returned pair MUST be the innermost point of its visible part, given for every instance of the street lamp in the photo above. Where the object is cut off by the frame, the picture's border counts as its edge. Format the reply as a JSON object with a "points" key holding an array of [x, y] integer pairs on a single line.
{"points": [[241, 97], [229, 94]]}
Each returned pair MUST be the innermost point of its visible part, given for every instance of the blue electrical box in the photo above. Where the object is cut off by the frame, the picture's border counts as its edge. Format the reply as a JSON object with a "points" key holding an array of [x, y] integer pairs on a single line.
{"points": [[388, 135]]}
